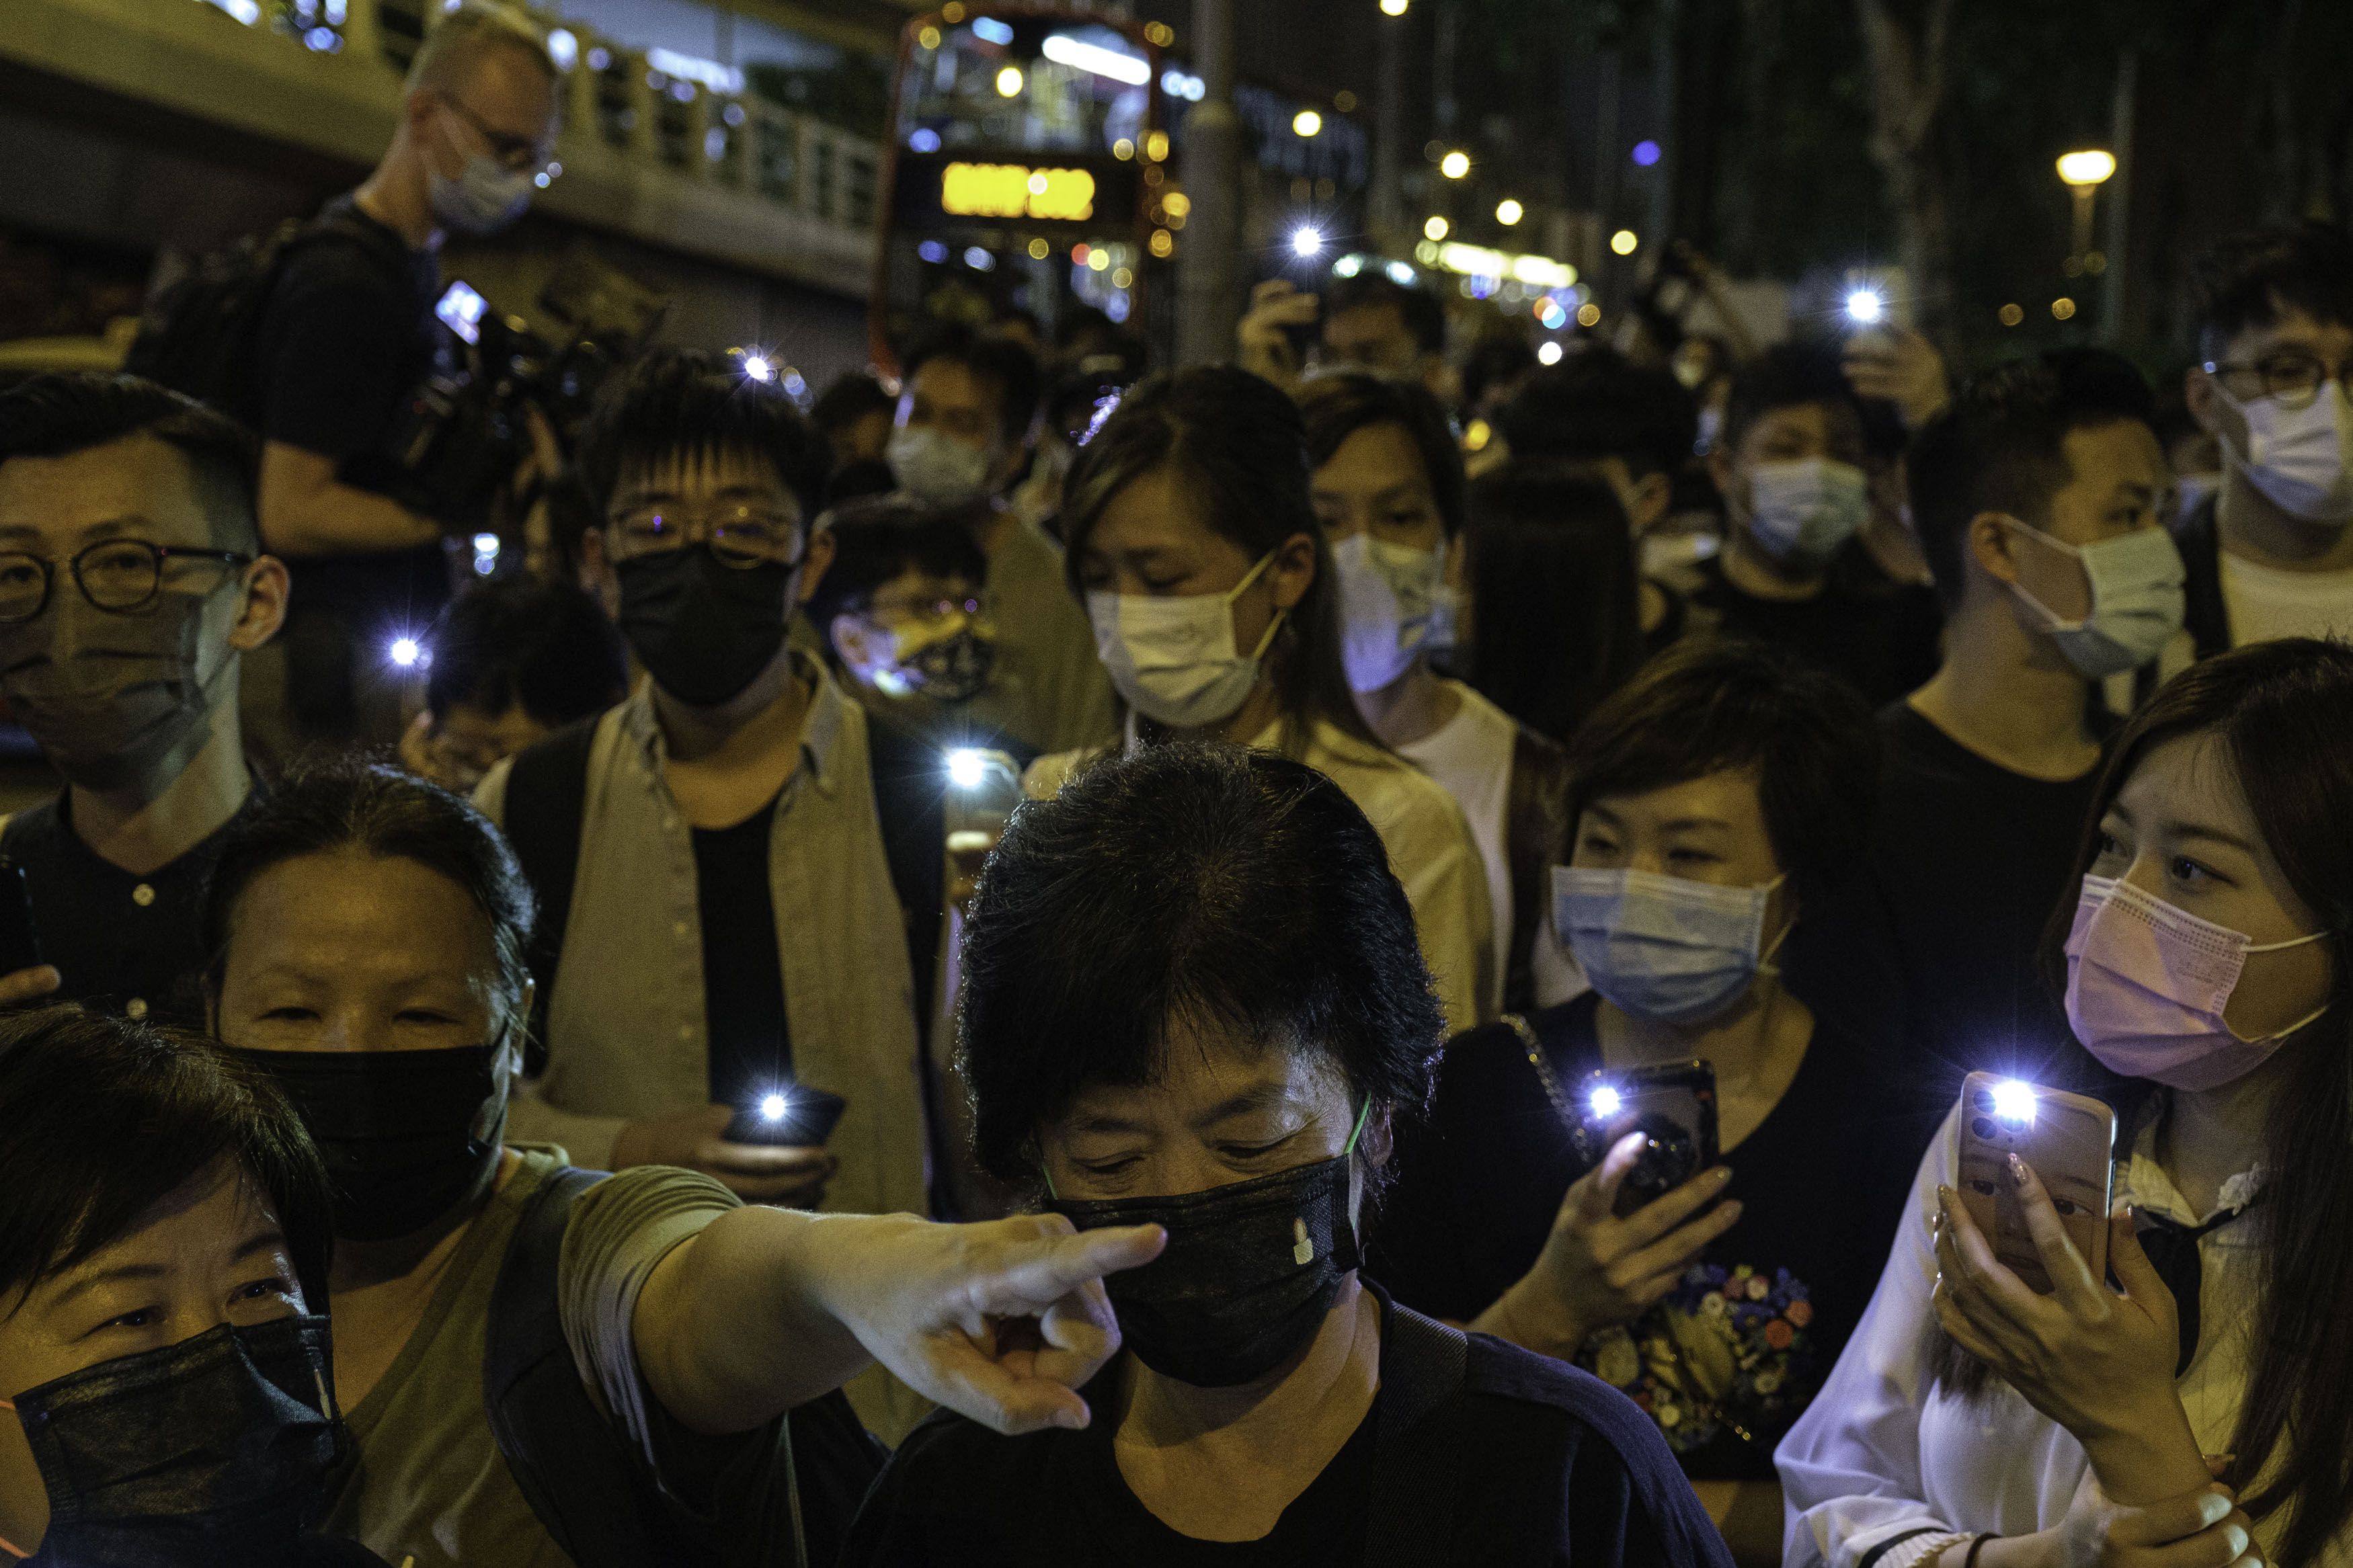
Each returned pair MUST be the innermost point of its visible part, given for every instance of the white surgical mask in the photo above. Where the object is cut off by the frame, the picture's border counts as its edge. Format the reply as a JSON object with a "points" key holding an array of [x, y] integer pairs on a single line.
{"points": [[2302, 459], [933, 466], [1806, 509], [485, 197], [1663, 948], [1394, 607], [2137, 601], [1174, 659]]}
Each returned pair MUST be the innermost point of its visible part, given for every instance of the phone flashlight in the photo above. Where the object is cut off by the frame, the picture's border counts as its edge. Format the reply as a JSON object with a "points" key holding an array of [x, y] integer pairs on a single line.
{"points": [[757, 366], [1864, 306], [1306, 241], [772, 1108], [2014, 1101], [406, 652], [1607, 1101]]}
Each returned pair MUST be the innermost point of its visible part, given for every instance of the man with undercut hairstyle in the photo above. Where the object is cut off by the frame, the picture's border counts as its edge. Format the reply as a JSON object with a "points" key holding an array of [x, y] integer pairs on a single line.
{"points": [[133, 582], [348, 334]]}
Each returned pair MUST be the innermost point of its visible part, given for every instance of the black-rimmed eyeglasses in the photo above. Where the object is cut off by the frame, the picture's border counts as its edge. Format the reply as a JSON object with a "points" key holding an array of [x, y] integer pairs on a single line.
{"points": [[119, 575]]}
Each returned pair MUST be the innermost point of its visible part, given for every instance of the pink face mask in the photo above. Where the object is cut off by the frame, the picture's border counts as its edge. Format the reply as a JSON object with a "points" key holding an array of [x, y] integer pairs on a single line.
{"points": [[2147, 984]]}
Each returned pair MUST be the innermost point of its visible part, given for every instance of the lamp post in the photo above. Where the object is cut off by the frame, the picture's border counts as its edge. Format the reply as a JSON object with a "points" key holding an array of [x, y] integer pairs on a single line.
{"points": [[2084, 172]]}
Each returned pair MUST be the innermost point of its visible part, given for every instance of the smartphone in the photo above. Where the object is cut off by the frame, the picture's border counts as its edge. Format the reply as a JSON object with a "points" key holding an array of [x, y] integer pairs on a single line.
{"points": [[461, 309], [2069, 1139], [793, 1114], [1672, 1105], [20, 942]]}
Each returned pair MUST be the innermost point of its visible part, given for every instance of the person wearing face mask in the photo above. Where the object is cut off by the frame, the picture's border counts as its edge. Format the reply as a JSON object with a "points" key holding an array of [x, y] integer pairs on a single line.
{"points": [[714, 854], [2199, 1409], [1194, 543], [347, 332], [1194, 999], [967, 422], [1718, 798], [2040, 496], [1788, 463], [2269, 551], [541, 1366], [1388, 488], [514, 660], [132, 586], [166, 1384]]}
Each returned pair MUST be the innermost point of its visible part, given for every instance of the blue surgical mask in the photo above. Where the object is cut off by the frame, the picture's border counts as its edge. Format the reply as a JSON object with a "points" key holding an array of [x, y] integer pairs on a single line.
{"points": [[1662, 948], [485, 197], [1806, 509]]}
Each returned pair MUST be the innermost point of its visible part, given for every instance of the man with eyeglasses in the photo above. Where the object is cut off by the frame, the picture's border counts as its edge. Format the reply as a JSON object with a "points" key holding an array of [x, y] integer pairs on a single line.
{"points": [[712, 851], [132, 585], [349, 334], [2270, 553]]}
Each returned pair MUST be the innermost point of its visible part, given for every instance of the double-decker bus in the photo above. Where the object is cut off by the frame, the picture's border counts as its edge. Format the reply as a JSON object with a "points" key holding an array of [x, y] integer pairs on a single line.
{"points": [[1028, 166]]}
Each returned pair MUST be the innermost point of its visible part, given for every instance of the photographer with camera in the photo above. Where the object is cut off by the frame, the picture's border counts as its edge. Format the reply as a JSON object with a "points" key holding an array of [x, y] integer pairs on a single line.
{"points": [[348, 334], [1715, 799]]}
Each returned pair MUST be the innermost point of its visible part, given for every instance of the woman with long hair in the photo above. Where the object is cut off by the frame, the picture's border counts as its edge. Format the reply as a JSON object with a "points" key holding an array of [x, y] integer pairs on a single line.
{"points": [[1193, 541], [2209, 966]]}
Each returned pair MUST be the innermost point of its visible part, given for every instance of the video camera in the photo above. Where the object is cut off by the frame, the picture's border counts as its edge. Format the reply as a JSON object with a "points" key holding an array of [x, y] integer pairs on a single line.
{"points": [[466, 433]]}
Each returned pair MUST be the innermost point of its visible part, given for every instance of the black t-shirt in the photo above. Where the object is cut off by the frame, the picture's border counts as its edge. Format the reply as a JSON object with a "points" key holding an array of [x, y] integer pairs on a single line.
{"points": [[122, 944], [1821, 1179], [751, 1046], [1937, 946], [1883, 639], [348, 336], [1544, 1467]]}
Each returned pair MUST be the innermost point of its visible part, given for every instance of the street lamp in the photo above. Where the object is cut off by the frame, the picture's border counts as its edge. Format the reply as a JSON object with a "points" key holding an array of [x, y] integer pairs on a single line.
{"points": [[1306, 122], [1508, 212], [1435, 228], [2084, 172], [1454, 165]]}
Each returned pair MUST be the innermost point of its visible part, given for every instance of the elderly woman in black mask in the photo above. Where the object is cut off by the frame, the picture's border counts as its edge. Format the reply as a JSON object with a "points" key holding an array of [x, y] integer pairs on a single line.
{"points": [[542, 1366], [160, 1344], [1193, 999]]}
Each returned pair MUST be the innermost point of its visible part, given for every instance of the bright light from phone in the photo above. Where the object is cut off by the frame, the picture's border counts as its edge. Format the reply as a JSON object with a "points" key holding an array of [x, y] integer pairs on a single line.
{"points": [[2013, 1101], [1306, 241], [1864, 306], [772, 1109], [967, 769], [757, 366], [404, 652], [1606, 1102]]}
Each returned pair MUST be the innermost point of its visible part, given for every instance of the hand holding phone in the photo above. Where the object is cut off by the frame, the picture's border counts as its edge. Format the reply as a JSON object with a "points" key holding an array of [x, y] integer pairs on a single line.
{"points": [[2068, 1139], [1673, 1106], [791, 1115]]}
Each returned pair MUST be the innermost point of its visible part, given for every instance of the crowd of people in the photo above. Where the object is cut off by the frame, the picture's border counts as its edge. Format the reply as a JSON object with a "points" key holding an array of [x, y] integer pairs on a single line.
{"points": [[1037, 966]]}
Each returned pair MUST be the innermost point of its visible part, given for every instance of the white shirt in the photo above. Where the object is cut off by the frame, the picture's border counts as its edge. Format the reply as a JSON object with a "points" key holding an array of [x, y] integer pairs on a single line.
{"points": [[1470, 757], [1882, 1452], [1429, 845], [2264, 603]]}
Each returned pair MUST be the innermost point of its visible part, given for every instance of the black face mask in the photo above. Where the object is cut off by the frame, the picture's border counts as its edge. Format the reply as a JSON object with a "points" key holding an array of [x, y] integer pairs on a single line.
{"points": [[213, 1450], [1249, 1273], [953, 669], [704, 630], [113, 699], [397, 1130]]}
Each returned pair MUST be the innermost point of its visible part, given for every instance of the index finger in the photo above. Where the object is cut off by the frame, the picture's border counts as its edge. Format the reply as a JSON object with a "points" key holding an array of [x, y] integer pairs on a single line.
{"points": [[1030, 1274], [1988, 1275], [27, 983], [2071, 1277], [1590, 1199]]}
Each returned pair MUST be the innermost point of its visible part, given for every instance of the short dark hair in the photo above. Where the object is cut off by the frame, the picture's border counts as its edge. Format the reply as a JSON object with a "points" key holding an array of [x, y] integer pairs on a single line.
{"points": [[1213, 884], [1495, 359], [58, 414], [531, 640], [2248, 280], [2001, 446], [993, 358], [1712, 705], [1241, 450], [1784, 377], [681, 403], [106, 1118], [878, 538], [1423, 315], [346, 803], [1335, 407], [1600, 404], [853, 396], [1552, 573]]}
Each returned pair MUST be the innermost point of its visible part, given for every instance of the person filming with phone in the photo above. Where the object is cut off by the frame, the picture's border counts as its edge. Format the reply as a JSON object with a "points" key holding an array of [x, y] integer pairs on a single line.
{"points": [[133, 584], [1565, 1194], [2002, 1403], [541, 1364]]}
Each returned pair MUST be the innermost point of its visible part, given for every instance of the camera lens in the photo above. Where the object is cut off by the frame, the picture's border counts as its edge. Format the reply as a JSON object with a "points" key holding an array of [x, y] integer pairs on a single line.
{"points": [[1983, 1128], [1984, 1101]]}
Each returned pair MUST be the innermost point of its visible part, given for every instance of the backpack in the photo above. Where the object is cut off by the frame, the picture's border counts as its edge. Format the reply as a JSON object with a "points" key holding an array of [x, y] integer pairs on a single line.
{"points": [[200, 332], [591, 1488]]}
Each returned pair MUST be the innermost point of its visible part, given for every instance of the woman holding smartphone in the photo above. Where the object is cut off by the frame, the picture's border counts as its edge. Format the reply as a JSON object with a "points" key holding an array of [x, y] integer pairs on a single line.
{"points": [[1977, 1423], [1715, 799]]}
